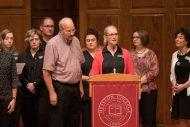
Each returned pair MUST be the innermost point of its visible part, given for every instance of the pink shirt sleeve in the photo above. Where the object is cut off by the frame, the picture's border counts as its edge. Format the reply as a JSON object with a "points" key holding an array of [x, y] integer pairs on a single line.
{"points": [[50, 57]]}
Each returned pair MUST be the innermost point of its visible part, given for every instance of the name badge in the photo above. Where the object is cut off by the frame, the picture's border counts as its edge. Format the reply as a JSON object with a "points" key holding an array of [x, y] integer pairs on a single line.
{"points": [[41, 57], [121, 56], [187, 58], [16, 58], [178, 63]]}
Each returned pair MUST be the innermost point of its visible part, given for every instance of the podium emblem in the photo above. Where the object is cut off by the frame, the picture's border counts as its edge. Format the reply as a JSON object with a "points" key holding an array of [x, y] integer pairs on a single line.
{"points": [[115, 110]]}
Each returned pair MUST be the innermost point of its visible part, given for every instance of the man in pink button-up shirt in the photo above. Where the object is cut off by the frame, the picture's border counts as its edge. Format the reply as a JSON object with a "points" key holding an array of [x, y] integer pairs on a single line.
{"points": [[62, 73]]}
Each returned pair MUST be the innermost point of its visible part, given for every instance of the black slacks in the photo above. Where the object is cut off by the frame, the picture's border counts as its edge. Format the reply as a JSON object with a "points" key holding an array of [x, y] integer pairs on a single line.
{"points": [[67, 111], [43, 105], [35, 109], [86, 113], [4, 116], [28, 112], [15, 116], [147, 106]]}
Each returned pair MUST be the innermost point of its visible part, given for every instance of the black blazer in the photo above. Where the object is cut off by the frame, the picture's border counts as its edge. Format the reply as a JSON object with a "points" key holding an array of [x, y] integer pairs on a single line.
{"points": [[32, 72]]}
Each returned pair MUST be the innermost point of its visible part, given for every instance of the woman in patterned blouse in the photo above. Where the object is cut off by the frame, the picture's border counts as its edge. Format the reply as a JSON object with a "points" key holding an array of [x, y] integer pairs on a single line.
{"points": [[8, 83], [8, 45], [146, 66]]}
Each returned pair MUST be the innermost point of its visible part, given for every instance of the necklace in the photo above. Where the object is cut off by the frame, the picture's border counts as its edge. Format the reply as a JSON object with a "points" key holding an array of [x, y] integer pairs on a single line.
{"points": [[141, 51], [182, 53]]}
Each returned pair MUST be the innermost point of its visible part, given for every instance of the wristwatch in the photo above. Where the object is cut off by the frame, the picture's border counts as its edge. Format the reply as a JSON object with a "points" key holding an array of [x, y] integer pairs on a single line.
{"points": [[14, 98], [35, 83]]}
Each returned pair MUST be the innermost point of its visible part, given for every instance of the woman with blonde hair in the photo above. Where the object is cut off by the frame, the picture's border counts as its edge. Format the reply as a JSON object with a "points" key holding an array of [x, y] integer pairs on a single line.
{"points": [[33, 86], [113, 58]]}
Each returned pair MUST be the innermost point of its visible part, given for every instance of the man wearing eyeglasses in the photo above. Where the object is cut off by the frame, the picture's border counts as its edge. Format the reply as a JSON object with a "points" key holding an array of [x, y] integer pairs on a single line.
{"points": [[47, 29], [62, 73]]}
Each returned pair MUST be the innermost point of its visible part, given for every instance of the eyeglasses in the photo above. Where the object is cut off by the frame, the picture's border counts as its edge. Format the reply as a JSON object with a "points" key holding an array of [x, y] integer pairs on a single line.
{"points": [[112, 34], [70, 31], [136, 37], [48, 26]]}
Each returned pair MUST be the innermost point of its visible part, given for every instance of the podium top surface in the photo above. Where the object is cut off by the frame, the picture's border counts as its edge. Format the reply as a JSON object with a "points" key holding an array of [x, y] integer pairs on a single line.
{"points": [[115, 77]]}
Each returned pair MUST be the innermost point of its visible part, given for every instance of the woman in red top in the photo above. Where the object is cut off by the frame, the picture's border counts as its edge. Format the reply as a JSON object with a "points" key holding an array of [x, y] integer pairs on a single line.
{"points": [[112, 59]]}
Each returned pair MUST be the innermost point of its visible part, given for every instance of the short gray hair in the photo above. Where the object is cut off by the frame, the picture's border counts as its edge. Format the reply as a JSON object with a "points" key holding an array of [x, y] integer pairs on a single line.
{"points": [[63, 21], [107, 28]]}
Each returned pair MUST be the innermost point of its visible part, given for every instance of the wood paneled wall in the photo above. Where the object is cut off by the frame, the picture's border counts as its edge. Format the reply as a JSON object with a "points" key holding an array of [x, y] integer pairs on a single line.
{"points": [[22, 15], [15, 15], [160, 18], [56, 9]]}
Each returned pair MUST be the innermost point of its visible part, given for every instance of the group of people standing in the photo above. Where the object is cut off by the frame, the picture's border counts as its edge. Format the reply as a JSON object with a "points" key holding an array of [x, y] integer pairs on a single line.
{"points": [[24, 94], [113, 59], [53, 87]]}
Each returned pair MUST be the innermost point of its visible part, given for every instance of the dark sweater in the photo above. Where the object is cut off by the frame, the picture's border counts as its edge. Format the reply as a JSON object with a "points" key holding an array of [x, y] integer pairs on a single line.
{"points": [[32, 72]]}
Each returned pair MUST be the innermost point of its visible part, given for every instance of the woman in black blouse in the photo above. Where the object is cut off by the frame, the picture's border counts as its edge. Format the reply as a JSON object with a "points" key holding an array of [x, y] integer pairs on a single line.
{"points": [[92, 46], [32, 81], [180, 78], [8, 45], [8, 83]]}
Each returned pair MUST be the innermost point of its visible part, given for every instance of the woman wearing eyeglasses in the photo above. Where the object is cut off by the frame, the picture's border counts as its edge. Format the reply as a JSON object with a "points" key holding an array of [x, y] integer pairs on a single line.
{"points": [[146, 66], [113, 58]]}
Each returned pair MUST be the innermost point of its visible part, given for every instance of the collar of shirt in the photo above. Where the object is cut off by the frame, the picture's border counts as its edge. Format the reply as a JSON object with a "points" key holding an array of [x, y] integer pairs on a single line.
{"points": [[65, 40], [105, 50]]}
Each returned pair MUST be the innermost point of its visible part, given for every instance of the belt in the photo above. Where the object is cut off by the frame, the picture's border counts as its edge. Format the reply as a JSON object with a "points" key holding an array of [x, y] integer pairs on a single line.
{"points": [[67, 84]]}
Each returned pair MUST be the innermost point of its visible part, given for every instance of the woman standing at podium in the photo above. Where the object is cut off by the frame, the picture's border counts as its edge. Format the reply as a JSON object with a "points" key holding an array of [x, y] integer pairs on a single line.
{"points": [[113, 58], [146, 66], [91, 43], [180, 78]]}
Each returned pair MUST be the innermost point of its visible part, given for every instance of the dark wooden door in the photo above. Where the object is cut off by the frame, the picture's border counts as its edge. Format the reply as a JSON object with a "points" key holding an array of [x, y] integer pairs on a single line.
{"points": [[15, 15]]}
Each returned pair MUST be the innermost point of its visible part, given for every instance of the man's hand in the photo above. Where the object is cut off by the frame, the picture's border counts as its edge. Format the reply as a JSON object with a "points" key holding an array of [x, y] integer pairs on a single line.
{"points": [[53, 98], [81, 89]]}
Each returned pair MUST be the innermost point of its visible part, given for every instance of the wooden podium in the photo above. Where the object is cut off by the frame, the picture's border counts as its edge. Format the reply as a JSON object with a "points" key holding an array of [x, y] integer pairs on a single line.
{"points": [[115, 99]]}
